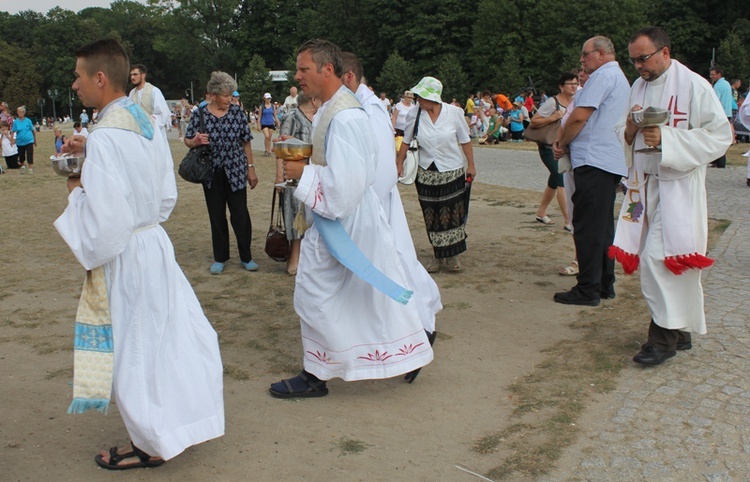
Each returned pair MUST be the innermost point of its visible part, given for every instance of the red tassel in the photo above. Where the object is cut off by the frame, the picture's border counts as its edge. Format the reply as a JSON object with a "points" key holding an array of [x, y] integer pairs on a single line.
{"points": [[628, 261], [680, 264], [697, 261], [675, 265]]}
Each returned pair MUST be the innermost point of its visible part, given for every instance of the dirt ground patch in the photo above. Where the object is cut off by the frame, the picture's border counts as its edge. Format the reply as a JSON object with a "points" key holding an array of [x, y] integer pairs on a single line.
{"points": [[512, 373]]}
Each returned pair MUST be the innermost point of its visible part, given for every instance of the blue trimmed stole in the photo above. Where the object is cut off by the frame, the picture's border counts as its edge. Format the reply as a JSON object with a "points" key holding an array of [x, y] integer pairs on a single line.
{"points": [[93, 347]]}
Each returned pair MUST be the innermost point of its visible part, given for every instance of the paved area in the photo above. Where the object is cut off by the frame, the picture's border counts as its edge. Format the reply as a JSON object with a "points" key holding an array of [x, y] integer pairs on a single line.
{"points": [[688, 419]]}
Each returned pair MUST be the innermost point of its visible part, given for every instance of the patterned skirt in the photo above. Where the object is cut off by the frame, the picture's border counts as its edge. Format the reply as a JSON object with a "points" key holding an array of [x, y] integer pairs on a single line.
{"points": [[443, 201]]}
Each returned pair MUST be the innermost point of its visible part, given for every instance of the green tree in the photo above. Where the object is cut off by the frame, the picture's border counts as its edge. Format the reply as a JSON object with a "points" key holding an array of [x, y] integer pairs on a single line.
{"points": [[453, 77], [255, 81], [396, 75], [22, 82], [733, 56], [511, 80]]}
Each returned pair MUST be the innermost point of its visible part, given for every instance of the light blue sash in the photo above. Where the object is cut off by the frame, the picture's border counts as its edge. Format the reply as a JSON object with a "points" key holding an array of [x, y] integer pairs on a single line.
{"points": [[342, 248]]}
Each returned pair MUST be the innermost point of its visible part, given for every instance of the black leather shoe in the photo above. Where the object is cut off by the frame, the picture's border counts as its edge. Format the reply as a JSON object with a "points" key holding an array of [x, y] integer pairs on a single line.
{"points": [[608, 296], [684, 345], [652, 356], [575, 297]]}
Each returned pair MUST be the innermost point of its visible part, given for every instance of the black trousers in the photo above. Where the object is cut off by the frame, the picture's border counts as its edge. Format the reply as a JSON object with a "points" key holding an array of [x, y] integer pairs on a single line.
{"points": [[26, 154], [594, 229], [218, 198], [665, 339]]}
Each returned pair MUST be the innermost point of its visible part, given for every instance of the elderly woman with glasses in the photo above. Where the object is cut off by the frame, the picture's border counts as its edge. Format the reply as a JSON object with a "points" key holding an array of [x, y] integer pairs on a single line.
{"points": [[227, 132], [444, 149]]}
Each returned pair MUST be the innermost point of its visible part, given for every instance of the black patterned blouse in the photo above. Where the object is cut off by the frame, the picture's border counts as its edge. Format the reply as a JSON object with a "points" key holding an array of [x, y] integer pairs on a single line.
{"points": [[226, 135]]}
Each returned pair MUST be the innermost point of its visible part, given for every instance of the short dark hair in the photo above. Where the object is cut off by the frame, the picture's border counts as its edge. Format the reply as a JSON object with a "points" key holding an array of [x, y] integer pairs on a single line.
{"points": [[656, 35], [324, 52], [108, 56], [141, 68], [350, 63], [76, 124], [566, 77], [717, 69]]}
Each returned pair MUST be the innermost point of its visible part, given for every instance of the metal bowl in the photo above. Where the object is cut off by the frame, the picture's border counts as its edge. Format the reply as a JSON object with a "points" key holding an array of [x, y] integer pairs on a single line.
{"points": [[292, 150], [651, 116], [67, 165]]}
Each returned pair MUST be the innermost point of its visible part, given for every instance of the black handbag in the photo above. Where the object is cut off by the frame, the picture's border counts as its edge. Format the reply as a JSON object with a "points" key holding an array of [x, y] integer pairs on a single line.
{"points": [[196, 165], [277, 246]]}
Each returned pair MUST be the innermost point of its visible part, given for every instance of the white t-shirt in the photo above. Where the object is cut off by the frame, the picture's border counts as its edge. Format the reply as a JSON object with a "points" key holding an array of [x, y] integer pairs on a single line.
{"points": [[439, 142], [403, 110], [289, 103], [8, 149]]}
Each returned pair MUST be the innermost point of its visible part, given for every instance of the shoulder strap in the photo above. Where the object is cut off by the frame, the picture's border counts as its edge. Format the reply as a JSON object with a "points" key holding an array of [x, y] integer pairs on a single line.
{"points": [[273, 204], [203, 125], [557, 102], [416, 122]]}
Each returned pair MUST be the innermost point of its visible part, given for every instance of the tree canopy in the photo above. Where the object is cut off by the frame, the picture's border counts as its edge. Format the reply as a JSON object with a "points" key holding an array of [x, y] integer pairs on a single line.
{"points": [[497, 45]]}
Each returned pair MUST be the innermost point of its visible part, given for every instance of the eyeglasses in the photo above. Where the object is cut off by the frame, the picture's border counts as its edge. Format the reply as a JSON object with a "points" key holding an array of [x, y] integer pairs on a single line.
{"points": [[571, 83], [584, 53], [642, 58]]}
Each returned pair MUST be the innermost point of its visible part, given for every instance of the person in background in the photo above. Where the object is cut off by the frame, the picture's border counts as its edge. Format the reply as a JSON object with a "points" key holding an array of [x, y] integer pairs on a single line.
{"points": [[549, 112], [598, 165], [236, 99], [59, 140], [724, 92], [469, 108], [150, 98], [5, 116], [444, 149], [298, 124], [267, 122], [79, 130], [426, 295], [25, 135], [496, 131], [516, 119], [400, 111], [10, 151], [227, 132], [291, 101], [475, 124]]}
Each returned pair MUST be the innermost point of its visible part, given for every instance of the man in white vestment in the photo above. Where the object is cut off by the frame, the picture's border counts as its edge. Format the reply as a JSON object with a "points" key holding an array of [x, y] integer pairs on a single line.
{"points": [[154, 351], [426, 293], [350, 328], [662, 228], [149, 97]]}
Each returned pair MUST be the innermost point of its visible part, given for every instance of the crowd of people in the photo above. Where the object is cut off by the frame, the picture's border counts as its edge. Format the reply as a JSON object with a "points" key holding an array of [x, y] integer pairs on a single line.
{"points": [[367, 306]]}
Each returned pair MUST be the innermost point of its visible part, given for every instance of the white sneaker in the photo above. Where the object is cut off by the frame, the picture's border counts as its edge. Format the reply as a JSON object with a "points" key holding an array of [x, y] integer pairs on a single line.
{"points": [[23, 169], [31, 171]]}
